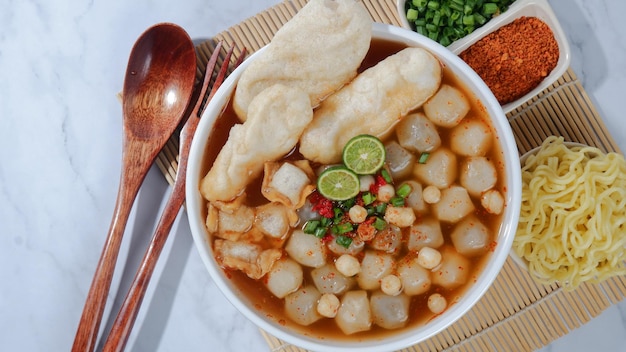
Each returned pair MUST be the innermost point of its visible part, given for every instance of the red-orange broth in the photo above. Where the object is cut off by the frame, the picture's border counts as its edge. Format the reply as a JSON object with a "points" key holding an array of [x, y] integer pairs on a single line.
{"points": [[272, 307]]}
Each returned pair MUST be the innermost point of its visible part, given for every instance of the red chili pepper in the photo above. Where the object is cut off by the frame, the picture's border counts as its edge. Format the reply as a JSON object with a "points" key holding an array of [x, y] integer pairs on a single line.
{"points": [[379, 181], [322, 206]]}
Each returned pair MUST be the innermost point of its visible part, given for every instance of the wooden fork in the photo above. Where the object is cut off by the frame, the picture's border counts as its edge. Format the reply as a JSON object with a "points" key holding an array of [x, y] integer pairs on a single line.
{"points": [[125, 319]]}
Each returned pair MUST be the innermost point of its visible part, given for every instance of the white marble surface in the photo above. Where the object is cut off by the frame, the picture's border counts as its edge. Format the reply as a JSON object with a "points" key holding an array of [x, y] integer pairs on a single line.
{"points": [[61, 64]]}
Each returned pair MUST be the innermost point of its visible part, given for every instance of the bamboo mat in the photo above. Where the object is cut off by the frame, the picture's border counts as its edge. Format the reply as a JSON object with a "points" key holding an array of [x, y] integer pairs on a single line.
{"points": [[515, 314]]}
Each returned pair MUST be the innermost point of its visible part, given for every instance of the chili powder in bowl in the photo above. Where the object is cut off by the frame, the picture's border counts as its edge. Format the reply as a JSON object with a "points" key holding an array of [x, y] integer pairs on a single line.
{"points": [[519, 53]]}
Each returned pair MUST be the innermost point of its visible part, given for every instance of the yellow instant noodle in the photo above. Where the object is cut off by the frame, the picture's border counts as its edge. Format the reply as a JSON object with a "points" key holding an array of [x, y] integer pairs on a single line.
{"points": [[572, 220]]}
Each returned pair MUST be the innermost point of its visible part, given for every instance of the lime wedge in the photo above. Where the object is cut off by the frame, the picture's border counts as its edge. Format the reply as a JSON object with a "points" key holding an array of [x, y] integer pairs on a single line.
{"points": [[338, 183], [364, 154]]}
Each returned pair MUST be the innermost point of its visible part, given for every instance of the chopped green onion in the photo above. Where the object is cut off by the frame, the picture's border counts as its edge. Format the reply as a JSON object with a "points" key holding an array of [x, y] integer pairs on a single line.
{"points": [[380, 208], [368, 198], [433, 5], [320, 232], [423, 158], [379, 224], [397, 202], [338, 213], [325, 222], [411, 14], [342, 228], [404, 190], [310, 226], [385, 174], [343, 241], [490, 8]]}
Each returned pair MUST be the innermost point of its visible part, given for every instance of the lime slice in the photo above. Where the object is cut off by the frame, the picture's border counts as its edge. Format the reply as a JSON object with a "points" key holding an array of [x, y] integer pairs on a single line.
{"points": [[338, 183], [364, 154]]}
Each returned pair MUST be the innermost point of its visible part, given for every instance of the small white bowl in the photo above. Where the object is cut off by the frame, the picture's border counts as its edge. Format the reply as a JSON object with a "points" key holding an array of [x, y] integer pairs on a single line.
{"points": [[393, 341], [529, 8]]}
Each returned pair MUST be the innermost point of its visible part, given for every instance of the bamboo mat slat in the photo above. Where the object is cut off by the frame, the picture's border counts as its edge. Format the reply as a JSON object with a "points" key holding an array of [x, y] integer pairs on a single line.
{"points": [[515, 314]]}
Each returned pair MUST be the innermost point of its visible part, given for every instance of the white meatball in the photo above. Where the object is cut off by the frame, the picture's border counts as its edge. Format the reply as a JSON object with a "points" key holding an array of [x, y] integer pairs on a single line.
{"points": [[415, 279], [391, 285], [387, 240], [284, 278], [301, 306], [471, 138], [470, 237], [328, 279], [348, 265], [453, 271], [437, 303], [399, 160], [477, 175], [306, 249], [357, 214], [428, 258], [374, 266], [455, 204], [426, 232], [417, 133], [272, 219], [328, 305], [447, 107], [440, 170], [385, 193], [354, 313], [492, 201], [431, 194], [390, 312], [415, 199], [400, 216], [366, 181]]}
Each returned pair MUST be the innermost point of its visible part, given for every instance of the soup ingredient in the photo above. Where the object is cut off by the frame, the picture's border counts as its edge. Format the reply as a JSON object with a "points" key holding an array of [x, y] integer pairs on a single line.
{"points": [[428, 258], [477, 175], [571, 228], [328, 305], [515, 58], [470, 237], [400, 161], [391, 285], [447, 107], [440, 170], [338, 183], [250, 258], [364, 154], [448, 20], [454, 205], [431, 194], [390, 311], [306, 250], [317, 51], [426, 232], [252, 143], [470, 138], [348, 265], [373, 103], [453, 271], [418, 134], [328, 279], [437, 303], [285, 277], [301, 306], [354, 314], [416, 279], [492, 201]]}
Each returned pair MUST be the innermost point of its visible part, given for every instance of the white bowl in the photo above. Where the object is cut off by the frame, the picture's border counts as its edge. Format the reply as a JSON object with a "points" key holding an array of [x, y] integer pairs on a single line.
{"points": [[406, 337], [530, 8]]}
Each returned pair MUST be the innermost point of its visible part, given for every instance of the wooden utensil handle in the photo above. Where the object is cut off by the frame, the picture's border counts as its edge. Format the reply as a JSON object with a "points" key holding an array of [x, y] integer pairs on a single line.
{"points": [[131, 178], [125, 319]]}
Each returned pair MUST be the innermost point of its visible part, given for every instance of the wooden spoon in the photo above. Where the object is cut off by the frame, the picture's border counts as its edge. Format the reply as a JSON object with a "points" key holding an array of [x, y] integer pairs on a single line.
{"points": [[157, 89], [121, 329]]}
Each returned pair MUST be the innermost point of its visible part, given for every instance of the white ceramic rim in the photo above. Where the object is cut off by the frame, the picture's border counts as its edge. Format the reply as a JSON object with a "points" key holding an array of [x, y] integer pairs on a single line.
{"points": [[410, 337], [533, 8]]}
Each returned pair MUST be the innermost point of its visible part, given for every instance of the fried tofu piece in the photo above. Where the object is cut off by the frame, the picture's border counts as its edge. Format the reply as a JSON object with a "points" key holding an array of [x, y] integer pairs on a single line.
{"points": [[318, 51], [278, 115], [372, 103], [247, 257], [288, 183]]}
